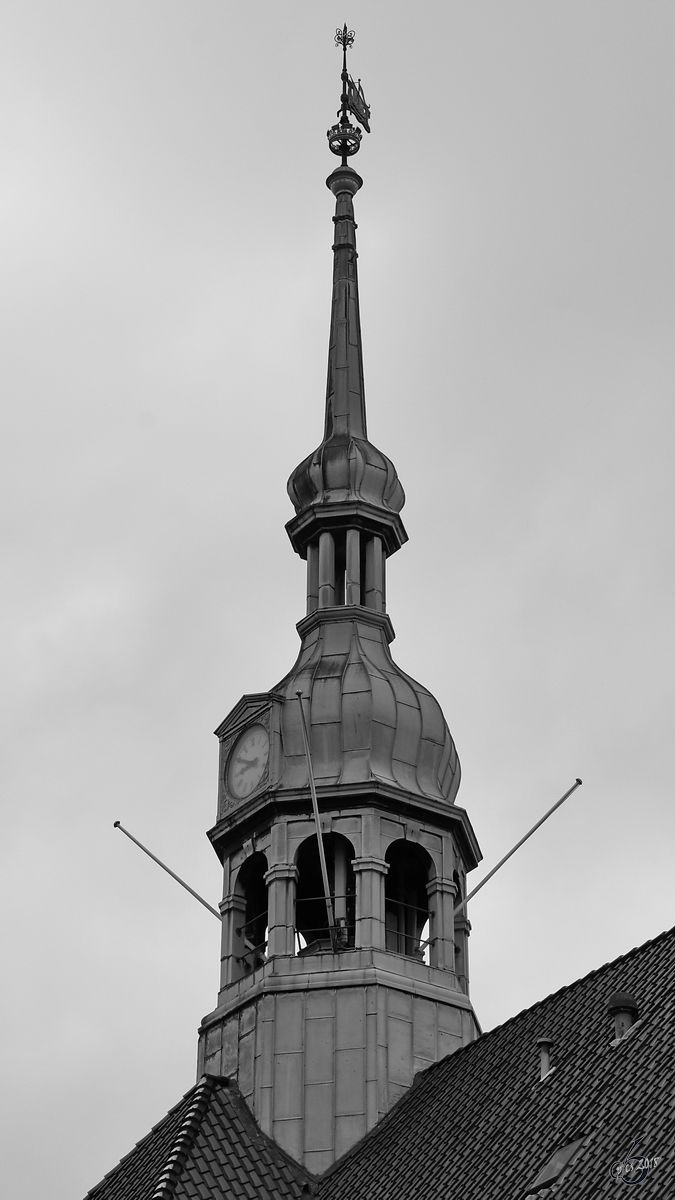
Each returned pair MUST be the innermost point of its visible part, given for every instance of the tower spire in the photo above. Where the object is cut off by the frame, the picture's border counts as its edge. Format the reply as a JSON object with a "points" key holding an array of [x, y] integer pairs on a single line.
{"points": [[347, 482], [345, 393], [350, 754]]}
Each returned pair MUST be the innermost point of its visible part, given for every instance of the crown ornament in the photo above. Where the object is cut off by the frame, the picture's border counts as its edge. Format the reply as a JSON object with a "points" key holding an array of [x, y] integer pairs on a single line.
{"points": [[344, 140]]}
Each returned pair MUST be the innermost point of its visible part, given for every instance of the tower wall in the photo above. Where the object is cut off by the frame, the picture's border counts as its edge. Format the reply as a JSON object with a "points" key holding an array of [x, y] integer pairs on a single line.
{"points": [[322, 1044], [321, 1047]]}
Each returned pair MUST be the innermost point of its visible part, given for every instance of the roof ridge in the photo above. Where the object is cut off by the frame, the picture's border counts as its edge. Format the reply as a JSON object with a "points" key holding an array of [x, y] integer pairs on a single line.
{"points": [[568, 987], [141, 1141], [166, 1184]]}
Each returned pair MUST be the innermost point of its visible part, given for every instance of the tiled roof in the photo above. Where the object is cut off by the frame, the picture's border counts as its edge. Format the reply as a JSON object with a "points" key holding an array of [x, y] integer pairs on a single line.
{"points": [[231, 1158], [207, 1146], [480, 1125]]}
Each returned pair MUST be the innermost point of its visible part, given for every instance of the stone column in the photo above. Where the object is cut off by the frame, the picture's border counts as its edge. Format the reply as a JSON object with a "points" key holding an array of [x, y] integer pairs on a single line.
{"points": [[370, 874], [353, 568], [441, 893], [326, 570], [233, 914], [312, 577], [374, 574], [281, 881]]}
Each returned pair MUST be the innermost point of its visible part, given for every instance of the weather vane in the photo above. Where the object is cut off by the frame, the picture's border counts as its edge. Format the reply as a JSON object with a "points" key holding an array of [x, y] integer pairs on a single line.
{"points": [[344, 138]]}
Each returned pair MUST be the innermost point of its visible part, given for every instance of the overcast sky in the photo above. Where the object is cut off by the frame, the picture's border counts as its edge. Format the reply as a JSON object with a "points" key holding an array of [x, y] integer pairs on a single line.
{"points": [[166, 267]]}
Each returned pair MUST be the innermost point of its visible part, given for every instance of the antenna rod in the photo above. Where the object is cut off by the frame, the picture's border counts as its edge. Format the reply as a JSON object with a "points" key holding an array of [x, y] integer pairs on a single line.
{"points": [[317, 822], [458, 907], [117, 825]]}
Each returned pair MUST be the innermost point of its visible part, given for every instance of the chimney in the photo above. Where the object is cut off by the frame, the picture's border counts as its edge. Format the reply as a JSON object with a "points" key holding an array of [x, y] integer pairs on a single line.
{"points": [[625, 1011], [545, 1044]]}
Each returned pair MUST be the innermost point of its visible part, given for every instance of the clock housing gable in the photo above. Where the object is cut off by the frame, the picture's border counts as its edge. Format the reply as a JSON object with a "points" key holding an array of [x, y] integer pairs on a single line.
{"points": [[255, 708]]}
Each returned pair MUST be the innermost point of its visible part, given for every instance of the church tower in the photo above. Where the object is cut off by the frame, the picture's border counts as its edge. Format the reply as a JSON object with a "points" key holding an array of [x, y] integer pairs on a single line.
{"points": [[329, 1004]]}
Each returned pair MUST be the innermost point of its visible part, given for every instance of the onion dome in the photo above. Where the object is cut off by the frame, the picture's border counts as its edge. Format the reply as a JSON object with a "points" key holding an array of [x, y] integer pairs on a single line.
{"points": [[369, 722], [342, 468]]}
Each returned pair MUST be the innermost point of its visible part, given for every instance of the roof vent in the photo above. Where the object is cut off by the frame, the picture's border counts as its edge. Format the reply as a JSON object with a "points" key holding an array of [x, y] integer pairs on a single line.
{"points": [[625, 1011], [545, 1045]]}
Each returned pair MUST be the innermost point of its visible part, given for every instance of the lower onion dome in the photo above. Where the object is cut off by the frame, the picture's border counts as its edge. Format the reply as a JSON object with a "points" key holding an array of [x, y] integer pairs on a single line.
{"points": [[368, 721]]}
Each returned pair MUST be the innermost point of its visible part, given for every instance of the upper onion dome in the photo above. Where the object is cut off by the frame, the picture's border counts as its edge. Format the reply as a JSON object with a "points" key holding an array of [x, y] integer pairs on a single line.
{"points": [[346, 468]]}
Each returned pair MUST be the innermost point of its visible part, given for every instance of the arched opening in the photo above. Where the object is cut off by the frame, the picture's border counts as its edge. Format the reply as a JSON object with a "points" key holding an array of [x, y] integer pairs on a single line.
{"points": [[252, 933], [311, 918], [406, 903]]}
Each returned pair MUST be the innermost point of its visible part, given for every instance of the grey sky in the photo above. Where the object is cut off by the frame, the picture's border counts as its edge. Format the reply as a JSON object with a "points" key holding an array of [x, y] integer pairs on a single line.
{"points": [[165, 239]]}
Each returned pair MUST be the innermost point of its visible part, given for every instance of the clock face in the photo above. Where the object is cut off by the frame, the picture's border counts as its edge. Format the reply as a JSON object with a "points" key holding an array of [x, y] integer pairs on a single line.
{"points": [[248, 761]]}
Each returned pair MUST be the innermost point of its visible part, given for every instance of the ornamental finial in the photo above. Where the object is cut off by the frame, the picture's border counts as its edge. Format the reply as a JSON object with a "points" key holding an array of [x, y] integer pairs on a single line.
{"points": [[344, 138], [344, 37]]}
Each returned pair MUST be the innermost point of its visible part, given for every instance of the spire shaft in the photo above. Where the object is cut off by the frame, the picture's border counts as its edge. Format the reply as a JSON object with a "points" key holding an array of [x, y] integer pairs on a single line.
{"points": [[345, 391]]}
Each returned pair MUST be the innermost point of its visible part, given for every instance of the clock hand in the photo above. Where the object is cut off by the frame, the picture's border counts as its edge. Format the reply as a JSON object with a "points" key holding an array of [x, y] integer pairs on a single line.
{"points": [[248, 762]]}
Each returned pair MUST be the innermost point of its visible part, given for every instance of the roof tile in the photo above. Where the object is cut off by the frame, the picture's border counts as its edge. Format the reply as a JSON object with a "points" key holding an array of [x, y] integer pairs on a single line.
{"points": [[480, 1123]]}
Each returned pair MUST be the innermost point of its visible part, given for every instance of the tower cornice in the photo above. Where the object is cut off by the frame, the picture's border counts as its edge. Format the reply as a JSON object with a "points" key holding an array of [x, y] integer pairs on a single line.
{"points": [[275, 803], [347, 612], [343, 514]]}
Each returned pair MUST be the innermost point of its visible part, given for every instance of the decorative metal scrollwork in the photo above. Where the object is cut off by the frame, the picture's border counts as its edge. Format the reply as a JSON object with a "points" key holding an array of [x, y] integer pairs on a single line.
{"points": [[344, 37]]}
